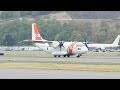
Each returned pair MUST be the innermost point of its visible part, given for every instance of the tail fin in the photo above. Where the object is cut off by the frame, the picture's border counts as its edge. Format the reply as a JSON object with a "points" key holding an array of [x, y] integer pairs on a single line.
{"points": [[35, 33], [116, 42]]}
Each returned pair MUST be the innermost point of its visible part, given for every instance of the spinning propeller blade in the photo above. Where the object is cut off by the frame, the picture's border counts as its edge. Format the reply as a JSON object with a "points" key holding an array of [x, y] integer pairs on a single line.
{"points": [[60, 44], [86, 43]]}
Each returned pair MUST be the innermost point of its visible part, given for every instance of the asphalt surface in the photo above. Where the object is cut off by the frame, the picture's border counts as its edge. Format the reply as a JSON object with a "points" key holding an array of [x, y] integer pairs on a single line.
{"points": [[55, 74], [74, 59], [58, 74]]}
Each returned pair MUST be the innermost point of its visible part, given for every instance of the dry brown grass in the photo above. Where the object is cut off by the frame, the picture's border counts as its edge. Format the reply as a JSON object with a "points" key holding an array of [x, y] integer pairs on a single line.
{"points": [[58, 66]]}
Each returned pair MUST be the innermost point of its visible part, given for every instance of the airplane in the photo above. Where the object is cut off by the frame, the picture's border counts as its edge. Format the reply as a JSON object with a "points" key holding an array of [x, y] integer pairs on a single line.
{"points": [[57, 48], [103, 47]]}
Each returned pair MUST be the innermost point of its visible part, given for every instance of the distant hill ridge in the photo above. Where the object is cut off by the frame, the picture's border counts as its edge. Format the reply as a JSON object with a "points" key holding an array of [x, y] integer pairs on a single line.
{"points": [[94, 14], [84, 14], [62, 14]]}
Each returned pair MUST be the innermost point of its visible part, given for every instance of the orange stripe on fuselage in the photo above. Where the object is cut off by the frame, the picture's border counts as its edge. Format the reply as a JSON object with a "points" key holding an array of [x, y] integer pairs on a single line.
{"points": [[70, 48]]}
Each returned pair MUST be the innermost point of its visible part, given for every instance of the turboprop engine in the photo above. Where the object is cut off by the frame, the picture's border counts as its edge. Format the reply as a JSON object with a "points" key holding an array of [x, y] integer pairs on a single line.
{"points": [[55, 44]]}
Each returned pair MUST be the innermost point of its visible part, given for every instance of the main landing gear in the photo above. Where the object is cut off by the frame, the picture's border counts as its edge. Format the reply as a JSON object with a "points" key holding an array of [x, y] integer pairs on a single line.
{"points": [[56, 55], [78, 55], [67, 55], [63, 55]]}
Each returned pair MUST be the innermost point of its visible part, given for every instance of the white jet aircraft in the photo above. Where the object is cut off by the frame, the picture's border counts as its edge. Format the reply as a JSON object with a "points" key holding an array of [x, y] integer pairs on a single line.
{"points": [[103, 47], [57, 48]]}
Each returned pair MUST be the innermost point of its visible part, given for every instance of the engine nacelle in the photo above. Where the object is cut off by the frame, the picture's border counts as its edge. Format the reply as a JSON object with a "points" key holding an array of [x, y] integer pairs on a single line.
{"points": [[54, 44]]}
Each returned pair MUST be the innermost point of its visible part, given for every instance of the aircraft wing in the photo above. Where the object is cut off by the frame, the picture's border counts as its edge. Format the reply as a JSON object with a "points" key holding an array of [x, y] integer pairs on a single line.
{"points": [[54, 44], [31, 41], [42, 41]]}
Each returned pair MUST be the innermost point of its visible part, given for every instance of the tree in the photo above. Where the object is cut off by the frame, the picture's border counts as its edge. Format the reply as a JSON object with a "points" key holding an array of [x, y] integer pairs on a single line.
{"points": [[9, 40]]}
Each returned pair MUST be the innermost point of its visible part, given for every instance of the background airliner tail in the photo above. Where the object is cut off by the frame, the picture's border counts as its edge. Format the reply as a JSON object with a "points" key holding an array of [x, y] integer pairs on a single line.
{"points": [[116, 42], [36, 33]]}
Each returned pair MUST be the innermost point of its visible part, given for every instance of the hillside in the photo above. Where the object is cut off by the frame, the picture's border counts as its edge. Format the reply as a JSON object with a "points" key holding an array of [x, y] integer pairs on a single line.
{"points": [[61, 14], [100, 27], [84, 15], [94, 14], [88, 15]]}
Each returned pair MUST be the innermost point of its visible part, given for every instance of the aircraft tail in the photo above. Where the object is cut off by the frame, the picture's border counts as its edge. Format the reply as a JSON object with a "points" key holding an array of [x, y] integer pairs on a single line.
{"points": [[36, 33], [116, 42]]}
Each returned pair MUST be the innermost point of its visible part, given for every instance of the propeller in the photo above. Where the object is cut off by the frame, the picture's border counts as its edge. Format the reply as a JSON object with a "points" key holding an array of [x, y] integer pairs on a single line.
{"points": [[86, 43], [60, 44]]}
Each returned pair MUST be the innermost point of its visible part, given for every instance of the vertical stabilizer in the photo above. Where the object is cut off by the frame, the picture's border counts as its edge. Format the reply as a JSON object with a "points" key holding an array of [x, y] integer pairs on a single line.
{"points": [[116, 42], [36, 33]]}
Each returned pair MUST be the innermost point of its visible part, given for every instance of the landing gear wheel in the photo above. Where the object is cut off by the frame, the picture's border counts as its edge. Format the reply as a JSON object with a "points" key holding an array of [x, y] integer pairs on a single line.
{"points": [[64, 55], [78, 56], [68, 55], [59, 56], [55, 56]]}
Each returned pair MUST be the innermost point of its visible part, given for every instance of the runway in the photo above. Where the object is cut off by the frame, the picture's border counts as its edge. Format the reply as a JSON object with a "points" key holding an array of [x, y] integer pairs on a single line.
{"points": [[72, 59], [55, 74]]}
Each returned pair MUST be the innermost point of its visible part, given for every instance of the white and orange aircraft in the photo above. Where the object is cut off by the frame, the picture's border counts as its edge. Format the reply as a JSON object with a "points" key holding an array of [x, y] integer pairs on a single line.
{"points": [[57, 48]]}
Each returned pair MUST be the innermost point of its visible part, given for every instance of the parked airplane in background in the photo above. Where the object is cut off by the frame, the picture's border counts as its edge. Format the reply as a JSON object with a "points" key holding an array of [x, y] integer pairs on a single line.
{"points": [[103, 47], [57, 48]]}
